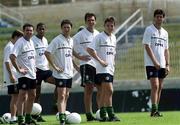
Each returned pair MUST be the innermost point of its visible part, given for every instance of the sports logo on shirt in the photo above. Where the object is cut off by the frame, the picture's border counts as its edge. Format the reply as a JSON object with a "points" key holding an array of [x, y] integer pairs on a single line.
{"points": [[68, 54]]}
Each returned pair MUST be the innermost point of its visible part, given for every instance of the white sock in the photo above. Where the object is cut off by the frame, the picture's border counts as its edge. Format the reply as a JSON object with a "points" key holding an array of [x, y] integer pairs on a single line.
{"points": [[13, 118]]}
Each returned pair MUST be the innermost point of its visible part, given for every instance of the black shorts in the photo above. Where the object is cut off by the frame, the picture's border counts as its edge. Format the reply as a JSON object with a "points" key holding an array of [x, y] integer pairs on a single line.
{"points": [[63, 83], [13, 89], [88, 74], [152, 72], [42, 75], [104, 77], [26, 83]]}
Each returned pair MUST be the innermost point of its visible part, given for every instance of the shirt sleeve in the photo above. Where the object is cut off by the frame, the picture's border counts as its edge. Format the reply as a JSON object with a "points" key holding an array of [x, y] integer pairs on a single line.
{"points": [[52, 46], [17, 48], [147, 37]]}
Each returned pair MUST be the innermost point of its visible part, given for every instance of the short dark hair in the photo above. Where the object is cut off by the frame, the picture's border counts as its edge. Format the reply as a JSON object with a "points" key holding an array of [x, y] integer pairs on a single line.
{"points": [[40, 24], [110, 19], [16, 33], [27, 25], [66, 21], [87, 15], [159, 12]]}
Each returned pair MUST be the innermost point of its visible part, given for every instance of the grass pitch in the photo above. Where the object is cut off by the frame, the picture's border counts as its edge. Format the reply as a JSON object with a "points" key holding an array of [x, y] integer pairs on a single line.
{"points": [[142, 118]]}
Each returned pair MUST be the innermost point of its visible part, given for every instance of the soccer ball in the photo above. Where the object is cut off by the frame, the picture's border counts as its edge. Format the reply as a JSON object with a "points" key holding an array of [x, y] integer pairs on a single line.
{"points": [[73, 118], [6, 117], [57, 114], [98, 115], [36, 109]]}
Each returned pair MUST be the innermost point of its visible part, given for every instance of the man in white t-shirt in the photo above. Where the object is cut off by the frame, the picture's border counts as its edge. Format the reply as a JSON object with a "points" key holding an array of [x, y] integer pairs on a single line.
{"points": [[10, 75], [156, 57], [23, 59], [103, 50], [87, 65], [59, 54], [42, 66]]}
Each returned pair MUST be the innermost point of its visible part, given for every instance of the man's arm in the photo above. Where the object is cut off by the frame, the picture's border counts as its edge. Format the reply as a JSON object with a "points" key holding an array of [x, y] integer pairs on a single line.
{"points": [[167, 58], [50, 59], [11, 76], [14, 63], [83, 58], [151, 55], [95, 56], [76, 66]]}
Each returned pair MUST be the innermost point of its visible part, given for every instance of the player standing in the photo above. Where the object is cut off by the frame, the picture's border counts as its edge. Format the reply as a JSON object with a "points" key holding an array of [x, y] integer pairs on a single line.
{"points": [[10, 75], [23, 59], [156, 55], [103, 50], [42, 65], [87, 65], [59, 55]]}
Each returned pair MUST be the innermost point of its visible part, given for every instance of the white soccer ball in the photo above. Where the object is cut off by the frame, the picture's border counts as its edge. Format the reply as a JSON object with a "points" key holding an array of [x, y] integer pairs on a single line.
{"points": [[6, 117], [36, 109], [57, 114], [73, 118], [98, 115]]}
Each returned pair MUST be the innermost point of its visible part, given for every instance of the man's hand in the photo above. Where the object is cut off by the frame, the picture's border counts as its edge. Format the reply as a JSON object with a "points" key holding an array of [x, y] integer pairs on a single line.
{"points": [[59, 69], [167, 70], [103, 63], [157, 65], [23, 71]]}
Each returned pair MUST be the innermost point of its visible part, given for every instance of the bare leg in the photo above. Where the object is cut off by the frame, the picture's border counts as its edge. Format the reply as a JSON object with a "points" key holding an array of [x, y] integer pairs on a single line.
{"points": [[154, 90], [22, 96], [13, 105], [88, 91], [30, 100]]}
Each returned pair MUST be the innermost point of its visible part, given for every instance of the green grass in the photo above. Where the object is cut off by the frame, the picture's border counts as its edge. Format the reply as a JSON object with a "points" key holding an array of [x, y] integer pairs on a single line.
{"points": [[141, 118], [170, 118]]}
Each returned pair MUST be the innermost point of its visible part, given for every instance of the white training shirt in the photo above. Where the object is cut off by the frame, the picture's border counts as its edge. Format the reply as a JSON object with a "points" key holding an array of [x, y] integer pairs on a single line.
{"points": [[81, 41], [61, 50], [40, 46], [7, 51], [25, 53], [158, 42], [105, 47]]}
